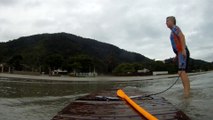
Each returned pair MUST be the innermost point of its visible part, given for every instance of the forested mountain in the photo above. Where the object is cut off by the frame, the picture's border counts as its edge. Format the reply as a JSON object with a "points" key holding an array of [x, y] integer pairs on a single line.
{"points": [[65, 51]]}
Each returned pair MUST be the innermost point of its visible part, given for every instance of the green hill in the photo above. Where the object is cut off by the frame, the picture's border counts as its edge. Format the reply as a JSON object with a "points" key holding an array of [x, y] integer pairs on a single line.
{"points": [[65, 51]]}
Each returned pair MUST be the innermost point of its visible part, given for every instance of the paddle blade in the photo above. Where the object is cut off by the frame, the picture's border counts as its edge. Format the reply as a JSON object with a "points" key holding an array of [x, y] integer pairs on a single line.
{"points": [[120, 93]]}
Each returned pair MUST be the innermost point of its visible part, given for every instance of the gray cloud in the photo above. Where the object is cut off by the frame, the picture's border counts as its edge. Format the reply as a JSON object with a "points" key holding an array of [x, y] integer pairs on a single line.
{"points": [[7, 2], [137, 25]]}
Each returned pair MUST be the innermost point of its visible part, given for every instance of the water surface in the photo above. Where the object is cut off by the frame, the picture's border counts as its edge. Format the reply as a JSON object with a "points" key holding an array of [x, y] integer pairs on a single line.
{"points": [[41, 100]]}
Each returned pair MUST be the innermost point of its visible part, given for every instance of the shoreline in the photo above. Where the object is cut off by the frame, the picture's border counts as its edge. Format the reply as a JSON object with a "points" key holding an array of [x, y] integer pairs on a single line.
{"points": [[94, 79]]}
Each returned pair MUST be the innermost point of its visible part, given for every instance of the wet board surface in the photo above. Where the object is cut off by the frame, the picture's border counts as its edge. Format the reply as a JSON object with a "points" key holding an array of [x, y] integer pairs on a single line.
{"points": [[95, 107]]}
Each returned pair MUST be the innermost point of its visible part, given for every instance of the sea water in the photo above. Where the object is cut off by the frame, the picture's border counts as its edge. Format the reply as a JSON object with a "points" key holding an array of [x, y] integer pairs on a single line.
{"points": [[41, 100]]}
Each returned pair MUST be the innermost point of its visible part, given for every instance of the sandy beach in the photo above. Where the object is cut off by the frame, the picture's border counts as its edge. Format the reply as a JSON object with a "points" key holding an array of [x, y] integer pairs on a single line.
{"points": [[98, 78]]}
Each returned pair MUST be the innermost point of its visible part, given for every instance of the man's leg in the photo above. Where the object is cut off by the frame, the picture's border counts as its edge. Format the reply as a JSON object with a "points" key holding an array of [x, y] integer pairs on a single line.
{"points": [[186, 83], [183, 64]]}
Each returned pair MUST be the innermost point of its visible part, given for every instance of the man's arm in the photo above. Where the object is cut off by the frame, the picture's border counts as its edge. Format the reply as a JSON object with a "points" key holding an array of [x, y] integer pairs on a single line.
{"points": [[183, 43]]}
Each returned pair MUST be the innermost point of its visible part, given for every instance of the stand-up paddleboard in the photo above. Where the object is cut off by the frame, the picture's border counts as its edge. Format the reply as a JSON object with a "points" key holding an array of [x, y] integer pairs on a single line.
{"points": [[141, 110], [103, 105]]}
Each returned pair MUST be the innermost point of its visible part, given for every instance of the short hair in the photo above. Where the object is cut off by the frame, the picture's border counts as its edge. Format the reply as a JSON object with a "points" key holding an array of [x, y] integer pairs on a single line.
{"points": [[172, 18]]}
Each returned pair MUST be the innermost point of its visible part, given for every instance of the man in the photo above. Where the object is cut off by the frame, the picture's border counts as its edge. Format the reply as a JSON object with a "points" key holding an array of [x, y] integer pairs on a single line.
{"points": [[177, 39]]}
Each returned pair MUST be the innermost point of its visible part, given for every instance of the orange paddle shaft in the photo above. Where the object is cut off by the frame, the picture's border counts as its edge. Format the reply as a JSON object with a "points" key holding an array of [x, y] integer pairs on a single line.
{"points": [[142, 111]]}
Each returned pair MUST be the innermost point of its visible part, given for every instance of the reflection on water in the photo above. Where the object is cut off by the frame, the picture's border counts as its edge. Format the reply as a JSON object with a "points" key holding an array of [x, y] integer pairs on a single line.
{"points": [[22, 88], [199, 106], [41, 100]]}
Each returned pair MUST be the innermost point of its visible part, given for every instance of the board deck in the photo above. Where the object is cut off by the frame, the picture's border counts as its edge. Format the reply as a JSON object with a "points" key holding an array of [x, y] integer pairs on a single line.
{"points": [[91, 107]]}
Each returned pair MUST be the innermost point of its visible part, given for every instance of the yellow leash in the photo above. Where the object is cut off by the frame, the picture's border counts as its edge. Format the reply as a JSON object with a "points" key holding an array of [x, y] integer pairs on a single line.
{"points": [[142, 111]]}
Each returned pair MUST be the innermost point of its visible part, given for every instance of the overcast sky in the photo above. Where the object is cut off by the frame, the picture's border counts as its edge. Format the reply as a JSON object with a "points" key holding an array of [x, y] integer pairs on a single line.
{"points": [[133, 25]]}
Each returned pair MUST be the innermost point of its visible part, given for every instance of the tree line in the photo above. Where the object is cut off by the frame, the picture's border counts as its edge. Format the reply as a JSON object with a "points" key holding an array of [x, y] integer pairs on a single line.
{"points": [[85, 63]]}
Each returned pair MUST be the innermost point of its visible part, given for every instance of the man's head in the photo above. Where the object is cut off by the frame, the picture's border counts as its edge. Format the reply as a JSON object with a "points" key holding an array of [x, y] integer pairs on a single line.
{"points": [[170, 21]]}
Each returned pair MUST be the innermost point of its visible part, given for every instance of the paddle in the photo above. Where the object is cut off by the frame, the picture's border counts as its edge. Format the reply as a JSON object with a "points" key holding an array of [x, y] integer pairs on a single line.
{"points": [[142, 111]]}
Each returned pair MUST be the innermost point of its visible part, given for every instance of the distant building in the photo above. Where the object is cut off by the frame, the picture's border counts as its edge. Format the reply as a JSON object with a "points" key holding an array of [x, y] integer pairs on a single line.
{"points": [[143, 71], [87, 74], [59, 72], [160, 72]]}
